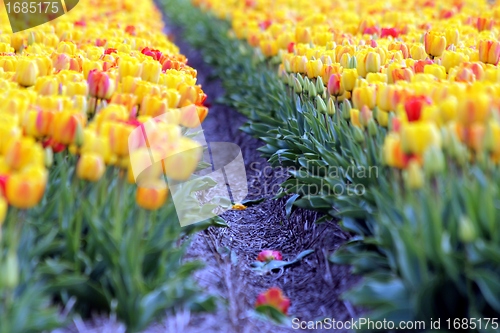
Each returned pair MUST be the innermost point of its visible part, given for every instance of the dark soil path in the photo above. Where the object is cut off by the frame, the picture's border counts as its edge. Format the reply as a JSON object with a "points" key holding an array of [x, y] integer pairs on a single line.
{"points": [[314, 286]]}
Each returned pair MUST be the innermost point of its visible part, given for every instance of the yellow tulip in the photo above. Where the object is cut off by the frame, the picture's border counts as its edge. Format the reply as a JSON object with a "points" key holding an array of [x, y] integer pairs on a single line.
{"points": [[26, 72], [151, 71], [349, 77], [365, 95], [183, 159], [414, 176], [416, 137], [90, 167], [438, 71]]}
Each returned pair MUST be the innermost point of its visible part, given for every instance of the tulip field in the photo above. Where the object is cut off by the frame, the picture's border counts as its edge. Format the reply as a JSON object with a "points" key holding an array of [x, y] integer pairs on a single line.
{"points": [[385, 114]]}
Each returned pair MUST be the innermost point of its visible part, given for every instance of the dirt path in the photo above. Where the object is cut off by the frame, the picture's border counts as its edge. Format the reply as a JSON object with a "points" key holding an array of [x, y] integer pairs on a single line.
{"points": [[314, 286]]}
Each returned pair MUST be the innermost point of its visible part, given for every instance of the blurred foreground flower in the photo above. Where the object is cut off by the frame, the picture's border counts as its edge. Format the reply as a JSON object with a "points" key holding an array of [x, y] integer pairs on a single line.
{"points": [[274, 297], [3, 209], [90, 167], [268, 255], [152, 195], [239, 206], [25, 189]]}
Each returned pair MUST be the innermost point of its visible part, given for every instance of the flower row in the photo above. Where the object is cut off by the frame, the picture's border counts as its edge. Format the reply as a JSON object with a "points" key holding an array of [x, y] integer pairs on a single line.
{"points": [[427, 70], [109, 87]]}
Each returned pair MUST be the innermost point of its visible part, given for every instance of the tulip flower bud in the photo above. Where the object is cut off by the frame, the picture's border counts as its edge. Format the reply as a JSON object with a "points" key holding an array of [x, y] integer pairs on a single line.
{"points": [[3, 211], [31, 38], [312, 89], [287, 65], [372, 62], [345, 60], [414, 177], [434, 162], [331, 109], [283, 76], [79, 135], [301, 80], [11, 270], [48, 157], [393, 122], [353, 63], [358, 135], [297, 87], [306, 83], [26, 72], [372, 128], [467, 230], [320, 105], [320, 87], [346, 109]]}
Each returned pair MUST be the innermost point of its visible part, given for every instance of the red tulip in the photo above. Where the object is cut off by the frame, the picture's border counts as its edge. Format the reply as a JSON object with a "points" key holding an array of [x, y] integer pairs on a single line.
{"points": [[155, 54], [414, 105], [268, 255], [393, 32]]}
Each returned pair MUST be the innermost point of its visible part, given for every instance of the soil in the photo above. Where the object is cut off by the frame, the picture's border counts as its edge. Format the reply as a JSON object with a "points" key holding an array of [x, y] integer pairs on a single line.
{"points": [[314, 285]]}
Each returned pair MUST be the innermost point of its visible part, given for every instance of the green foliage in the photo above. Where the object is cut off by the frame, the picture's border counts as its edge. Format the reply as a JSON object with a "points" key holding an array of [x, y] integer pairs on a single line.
{"points": [[25, 304], [90, 245], [424, 253]]}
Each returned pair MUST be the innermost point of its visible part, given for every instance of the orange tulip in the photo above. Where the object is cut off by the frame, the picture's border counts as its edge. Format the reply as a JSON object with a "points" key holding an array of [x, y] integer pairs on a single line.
{"points": [[274, 297], [25, 189], [489, 51], [23, 152], [152, 196], [65, 126]]}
